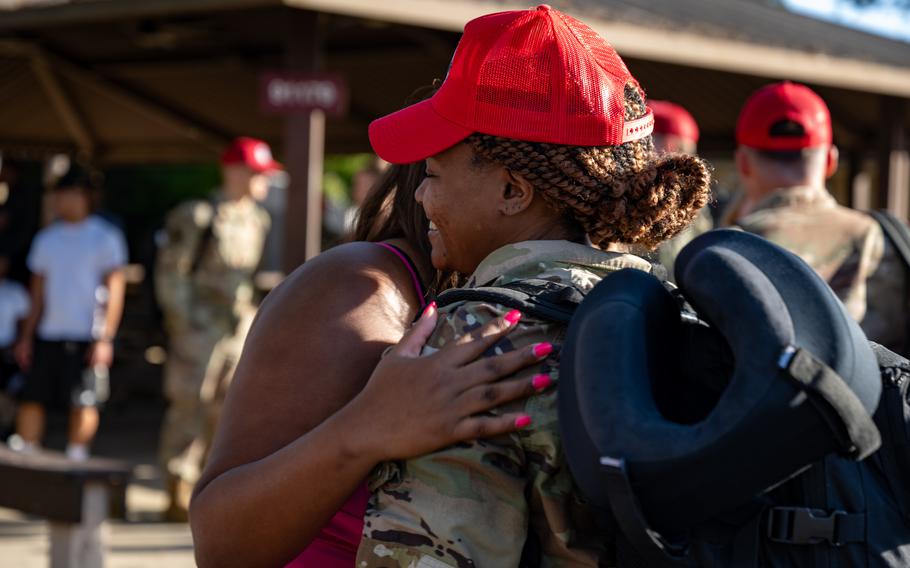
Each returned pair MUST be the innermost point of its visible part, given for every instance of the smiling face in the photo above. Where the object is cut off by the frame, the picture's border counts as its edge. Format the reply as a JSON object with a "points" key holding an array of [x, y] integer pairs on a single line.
{"points": [[462, 202]]}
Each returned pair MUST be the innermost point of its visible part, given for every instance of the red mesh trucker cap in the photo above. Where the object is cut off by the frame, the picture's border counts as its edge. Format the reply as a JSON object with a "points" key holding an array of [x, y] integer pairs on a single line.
{"points": [[536, 75], [672, 119], [251, 152], [784, 117]]}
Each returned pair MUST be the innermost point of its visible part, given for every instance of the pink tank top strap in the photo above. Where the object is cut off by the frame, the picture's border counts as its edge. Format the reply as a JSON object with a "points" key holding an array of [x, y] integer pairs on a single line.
{"points": [[409, 264]]}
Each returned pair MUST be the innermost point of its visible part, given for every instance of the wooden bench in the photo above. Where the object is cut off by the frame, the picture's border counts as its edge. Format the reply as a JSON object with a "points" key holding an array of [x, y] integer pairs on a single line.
{"points": [[76, 497]]}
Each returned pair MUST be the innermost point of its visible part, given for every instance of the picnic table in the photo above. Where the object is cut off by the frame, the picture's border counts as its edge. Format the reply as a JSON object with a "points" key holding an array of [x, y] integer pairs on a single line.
{"points": [[76, 497]]}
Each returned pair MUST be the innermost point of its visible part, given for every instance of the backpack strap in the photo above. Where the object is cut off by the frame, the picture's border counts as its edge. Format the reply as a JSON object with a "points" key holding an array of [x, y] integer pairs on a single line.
{"points": [[651, 547], [201, 247], [208, 233], [896, 232], [850, 424], [545, 299], [540, 299]]}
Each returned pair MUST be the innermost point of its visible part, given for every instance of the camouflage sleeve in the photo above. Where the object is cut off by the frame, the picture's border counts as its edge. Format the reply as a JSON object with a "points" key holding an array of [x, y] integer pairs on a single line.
{"points": [[464, 505], [476, 503], [885, 320], [178, 244]]}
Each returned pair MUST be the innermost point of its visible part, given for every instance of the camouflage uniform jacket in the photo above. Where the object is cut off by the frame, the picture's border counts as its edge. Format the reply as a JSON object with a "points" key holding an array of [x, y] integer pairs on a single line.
{"points": [[848, 249], [213, 292], [474, 504]]}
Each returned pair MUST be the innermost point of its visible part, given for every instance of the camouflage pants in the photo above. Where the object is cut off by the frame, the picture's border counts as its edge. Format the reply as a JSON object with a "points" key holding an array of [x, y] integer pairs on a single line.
{"points": [[198, 372]]}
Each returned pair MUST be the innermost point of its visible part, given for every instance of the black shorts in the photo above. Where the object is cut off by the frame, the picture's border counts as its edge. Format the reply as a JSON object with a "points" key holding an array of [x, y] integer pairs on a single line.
{"points": [[8, 368], [59, 377]]}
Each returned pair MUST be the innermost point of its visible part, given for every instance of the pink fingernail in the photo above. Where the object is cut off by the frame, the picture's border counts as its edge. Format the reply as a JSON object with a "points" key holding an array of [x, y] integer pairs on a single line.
{"points": [[429, 309], [541, 382], [523, 421], [541, 350], [512, 317]]}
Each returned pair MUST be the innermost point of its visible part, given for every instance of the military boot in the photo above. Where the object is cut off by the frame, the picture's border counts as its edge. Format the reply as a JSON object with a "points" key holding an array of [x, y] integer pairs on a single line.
{"points": [[178, 494]]}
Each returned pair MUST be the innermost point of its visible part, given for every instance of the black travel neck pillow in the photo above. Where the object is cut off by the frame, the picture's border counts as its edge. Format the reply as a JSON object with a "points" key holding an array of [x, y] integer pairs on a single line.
{"points": [[697, 419]]}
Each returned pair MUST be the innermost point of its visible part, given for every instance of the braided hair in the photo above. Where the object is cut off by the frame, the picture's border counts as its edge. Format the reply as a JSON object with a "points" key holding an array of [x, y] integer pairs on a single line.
{"points": [[624, 194]]}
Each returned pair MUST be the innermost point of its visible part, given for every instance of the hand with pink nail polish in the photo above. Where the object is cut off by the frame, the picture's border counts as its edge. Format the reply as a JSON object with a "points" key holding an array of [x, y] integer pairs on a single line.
{"points": [[449, 392]]}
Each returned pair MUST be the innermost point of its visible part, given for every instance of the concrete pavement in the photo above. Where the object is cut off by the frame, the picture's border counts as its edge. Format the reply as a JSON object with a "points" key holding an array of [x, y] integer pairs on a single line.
{"points": [[142, 541]]}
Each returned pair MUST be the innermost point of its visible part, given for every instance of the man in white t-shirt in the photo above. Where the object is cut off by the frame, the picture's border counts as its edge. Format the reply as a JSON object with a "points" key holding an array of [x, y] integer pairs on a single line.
{"points": [[77, 292]]}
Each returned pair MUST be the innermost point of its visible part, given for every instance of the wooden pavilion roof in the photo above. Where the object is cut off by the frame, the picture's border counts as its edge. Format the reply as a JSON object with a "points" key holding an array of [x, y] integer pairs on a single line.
{"points": [[173, 80]]}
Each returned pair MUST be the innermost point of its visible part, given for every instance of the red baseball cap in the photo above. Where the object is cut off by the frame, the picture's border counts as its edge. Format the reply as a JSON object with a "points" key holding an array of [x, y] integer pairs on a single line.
{"points": [[251, 152], [670, 118], [784, 117], [536, 75]]}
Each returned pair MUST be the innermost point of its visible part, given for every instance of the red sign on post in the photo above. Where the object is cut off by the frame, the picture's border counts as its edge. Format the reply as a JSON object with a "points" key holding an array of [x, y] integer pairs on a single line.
{"points": [[292, 93]]}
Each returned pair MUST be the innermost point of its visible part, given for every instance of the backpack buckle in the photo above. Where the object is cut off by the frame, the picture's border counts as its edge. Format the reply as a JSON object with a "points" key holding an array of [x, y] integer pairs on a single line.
{"points": [[796, 525]]}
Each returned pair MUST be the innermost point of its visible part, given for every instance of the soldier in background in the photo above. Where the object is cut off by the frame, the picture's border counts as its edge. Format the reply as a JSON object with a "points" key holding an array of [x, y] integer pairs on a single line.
{"points": [[676, 132], [209, 253], [784, 157]]}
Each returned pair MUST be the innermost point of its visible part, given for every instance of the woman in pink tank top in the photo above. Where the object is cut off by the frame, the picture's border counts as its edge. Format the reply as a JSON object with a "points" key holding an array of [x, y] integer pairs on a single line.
{"points": [[336, 544], [307, 416]]}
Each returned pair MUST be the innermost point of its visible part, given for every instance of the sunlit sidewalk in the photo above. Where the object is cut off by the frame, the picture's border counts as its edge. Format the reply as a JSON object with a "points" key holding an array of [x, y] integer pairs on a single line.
{"points": [[139, 542], [128, 433]]}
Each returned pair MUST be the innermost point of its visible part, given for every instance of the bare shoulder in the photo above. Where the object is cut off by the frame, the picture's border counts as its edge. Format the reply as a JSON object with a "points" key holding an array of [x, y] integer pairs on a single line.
{"points": [[350, 274], [348, 295], [315, 341], [357, 259]]}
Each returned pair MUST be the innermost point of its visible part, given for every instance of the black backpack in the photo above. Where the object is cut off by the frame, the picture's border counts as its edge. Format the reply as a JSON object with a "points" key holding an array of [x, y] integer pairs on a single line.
{"points": [[837, 513], [897, 233]]}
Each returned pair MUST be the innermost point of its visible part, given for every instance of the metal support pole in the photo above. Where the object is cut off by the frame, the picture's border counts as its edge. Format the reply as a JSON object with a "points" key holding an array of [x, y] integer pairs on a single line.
{"points": [[894, 157], [304, 147], [83, 545], [859, 181]]}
